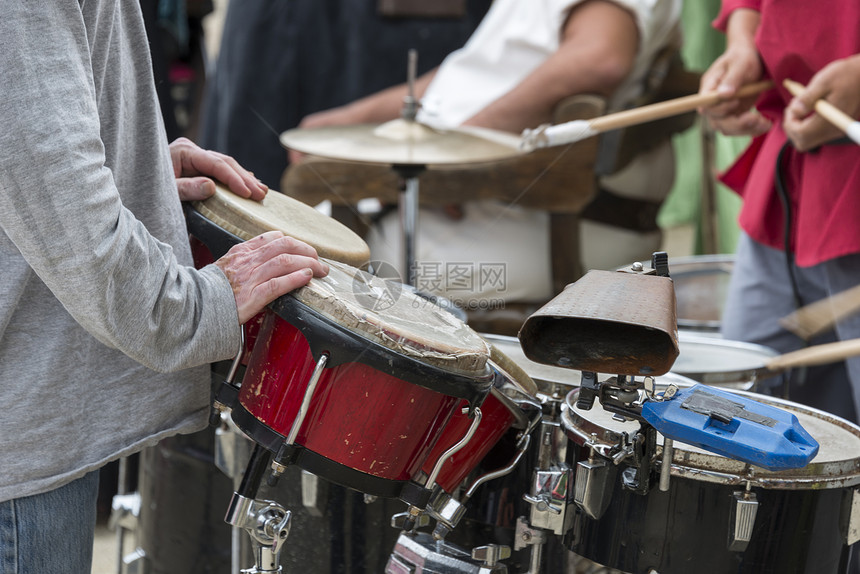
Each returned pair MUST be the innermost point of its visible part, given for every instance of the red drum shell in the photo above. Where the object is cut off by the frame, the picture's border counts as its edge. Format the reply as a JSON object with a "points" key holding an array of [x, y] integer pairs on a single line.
{"points": [[495, 422], [359, 417]]}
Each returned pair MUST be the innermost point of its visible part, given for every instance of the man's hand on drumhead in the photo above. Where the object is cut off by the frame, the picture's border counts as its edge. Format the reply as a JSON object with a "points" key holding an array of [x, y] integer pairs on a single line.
{"points": [[193, 167], [264, 268]]}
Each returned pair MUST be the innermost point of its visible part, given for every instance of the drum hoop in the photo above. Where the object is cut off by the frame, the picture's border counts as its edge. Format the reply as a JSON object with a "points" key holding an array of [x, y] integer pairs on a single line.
{"points": [[710, 467], [345, 346], [217, 239]]}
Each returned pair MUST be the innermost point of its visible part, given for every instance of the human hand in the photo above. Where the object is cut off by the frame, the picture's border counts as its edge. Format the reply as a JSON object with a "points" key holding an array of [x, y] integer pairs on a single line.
{"points": [[193, 167], [738, 66], [837, 83], [270, 265]]}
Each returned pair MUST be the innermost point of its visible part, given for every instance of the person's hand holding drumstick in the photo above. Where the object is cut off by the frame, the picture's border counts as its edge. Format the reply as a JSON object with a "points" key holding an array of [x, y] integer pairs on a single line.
{"points": [[738, 65], [836, 83], [259, 270]]}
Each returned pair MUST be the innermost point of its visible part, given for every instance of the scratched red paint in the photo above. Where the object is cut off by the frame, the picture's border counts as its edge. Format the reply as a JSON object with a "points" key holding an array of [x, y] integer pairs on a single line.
{"points": [[360, 417]]}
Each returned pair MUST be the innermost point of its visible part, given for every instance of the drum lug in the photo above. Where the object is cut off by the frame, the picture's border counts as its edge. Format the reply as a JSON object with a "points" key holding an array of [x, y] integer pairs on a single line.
{"points": [[852, 516], [549, 500], [593, 486], [742, 520], [227, 393]]}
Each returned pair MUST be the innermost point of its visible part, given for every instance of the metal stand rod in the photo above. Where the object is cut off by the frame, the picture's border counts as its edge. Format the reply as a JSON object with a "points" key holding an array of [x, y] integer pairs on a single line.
{"points": [[409, 227], [122, 488], [265, 521]]}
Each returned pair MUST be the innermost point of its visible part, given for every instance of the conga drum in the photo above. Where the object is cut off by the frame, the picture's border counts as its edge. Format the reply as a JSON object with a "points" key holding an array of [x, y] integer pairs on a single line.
{"points": [[720, 514], [354, 379]]}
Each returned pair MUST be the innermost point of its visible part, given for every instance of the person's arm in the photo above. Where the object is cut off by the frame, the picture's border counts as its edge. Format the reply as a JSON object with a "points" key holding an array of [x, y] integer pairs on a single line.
{"points": [[838, 83], [60, 207], [376, 108], [598, 48], [373, 109], [740, 64]]}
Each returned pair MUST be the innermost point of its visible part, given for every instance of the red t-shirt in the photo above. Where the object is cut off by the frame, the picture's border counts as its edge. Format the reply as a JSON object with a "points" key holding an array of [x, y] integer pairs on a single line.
{"points": [[796, 38]]}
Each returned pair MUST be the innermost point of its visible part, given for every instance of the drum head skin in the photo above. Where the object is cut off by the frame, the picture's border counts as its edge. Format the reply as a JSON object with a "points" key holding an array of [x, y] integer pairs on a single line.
{"points": [[247, 218], [389, 314]]}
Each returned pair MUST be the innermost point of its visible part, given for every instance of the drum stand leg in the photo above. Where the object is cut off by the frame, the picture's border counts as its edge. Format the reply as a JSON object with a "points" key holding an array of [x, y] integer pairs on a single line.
{"points": [[549, 496], [265, 521]]}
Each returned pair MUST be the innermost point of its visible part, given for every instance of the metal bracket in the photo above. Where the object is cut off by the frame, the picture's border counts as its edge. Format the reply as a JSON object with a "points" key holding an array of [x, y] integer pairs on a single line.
{"points": [[742, 519]]}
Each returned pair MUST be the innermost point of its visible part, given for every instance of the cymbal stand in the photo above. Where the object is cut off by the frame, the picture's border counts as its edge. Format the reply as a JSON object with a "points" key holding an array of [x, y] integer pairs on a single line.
{"points": [[408, 206], [408, 209], [265, 521]]}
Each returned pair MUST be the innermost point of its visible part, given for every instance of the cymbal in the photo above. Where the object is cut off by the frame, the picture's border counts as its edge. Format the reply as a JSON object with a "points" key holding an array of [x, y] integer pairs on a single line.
{"points": [[404, 142]]}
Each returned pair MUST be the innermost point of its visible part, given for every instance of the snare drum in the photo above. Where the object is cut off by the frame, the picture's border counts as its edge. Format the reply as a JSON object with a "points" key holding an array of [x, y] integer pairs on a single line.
{"points": [[721, 515], [354, 379], [510, 404], [720, 362]]}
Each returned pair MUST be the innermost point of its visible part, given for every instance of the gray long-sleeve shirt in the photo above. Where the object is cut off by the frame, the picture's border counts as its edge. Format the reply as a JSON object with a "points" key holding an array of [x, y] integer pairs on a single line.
{"points": [[96, 300]]}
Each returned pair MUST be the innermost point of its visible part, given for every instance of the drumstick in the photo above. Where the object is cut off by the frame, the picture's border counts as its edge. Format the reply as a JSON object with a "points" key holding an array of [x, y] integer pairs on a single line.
{"points": [[829, 112], [570, 132], [815, 355], [815, 318]]}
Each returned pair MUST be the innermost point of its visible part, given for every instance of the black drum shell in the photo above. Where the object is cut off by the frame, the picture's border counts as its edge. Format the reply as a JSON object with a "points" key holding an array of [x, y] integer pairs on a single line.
{"points": [[686, 529]]}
